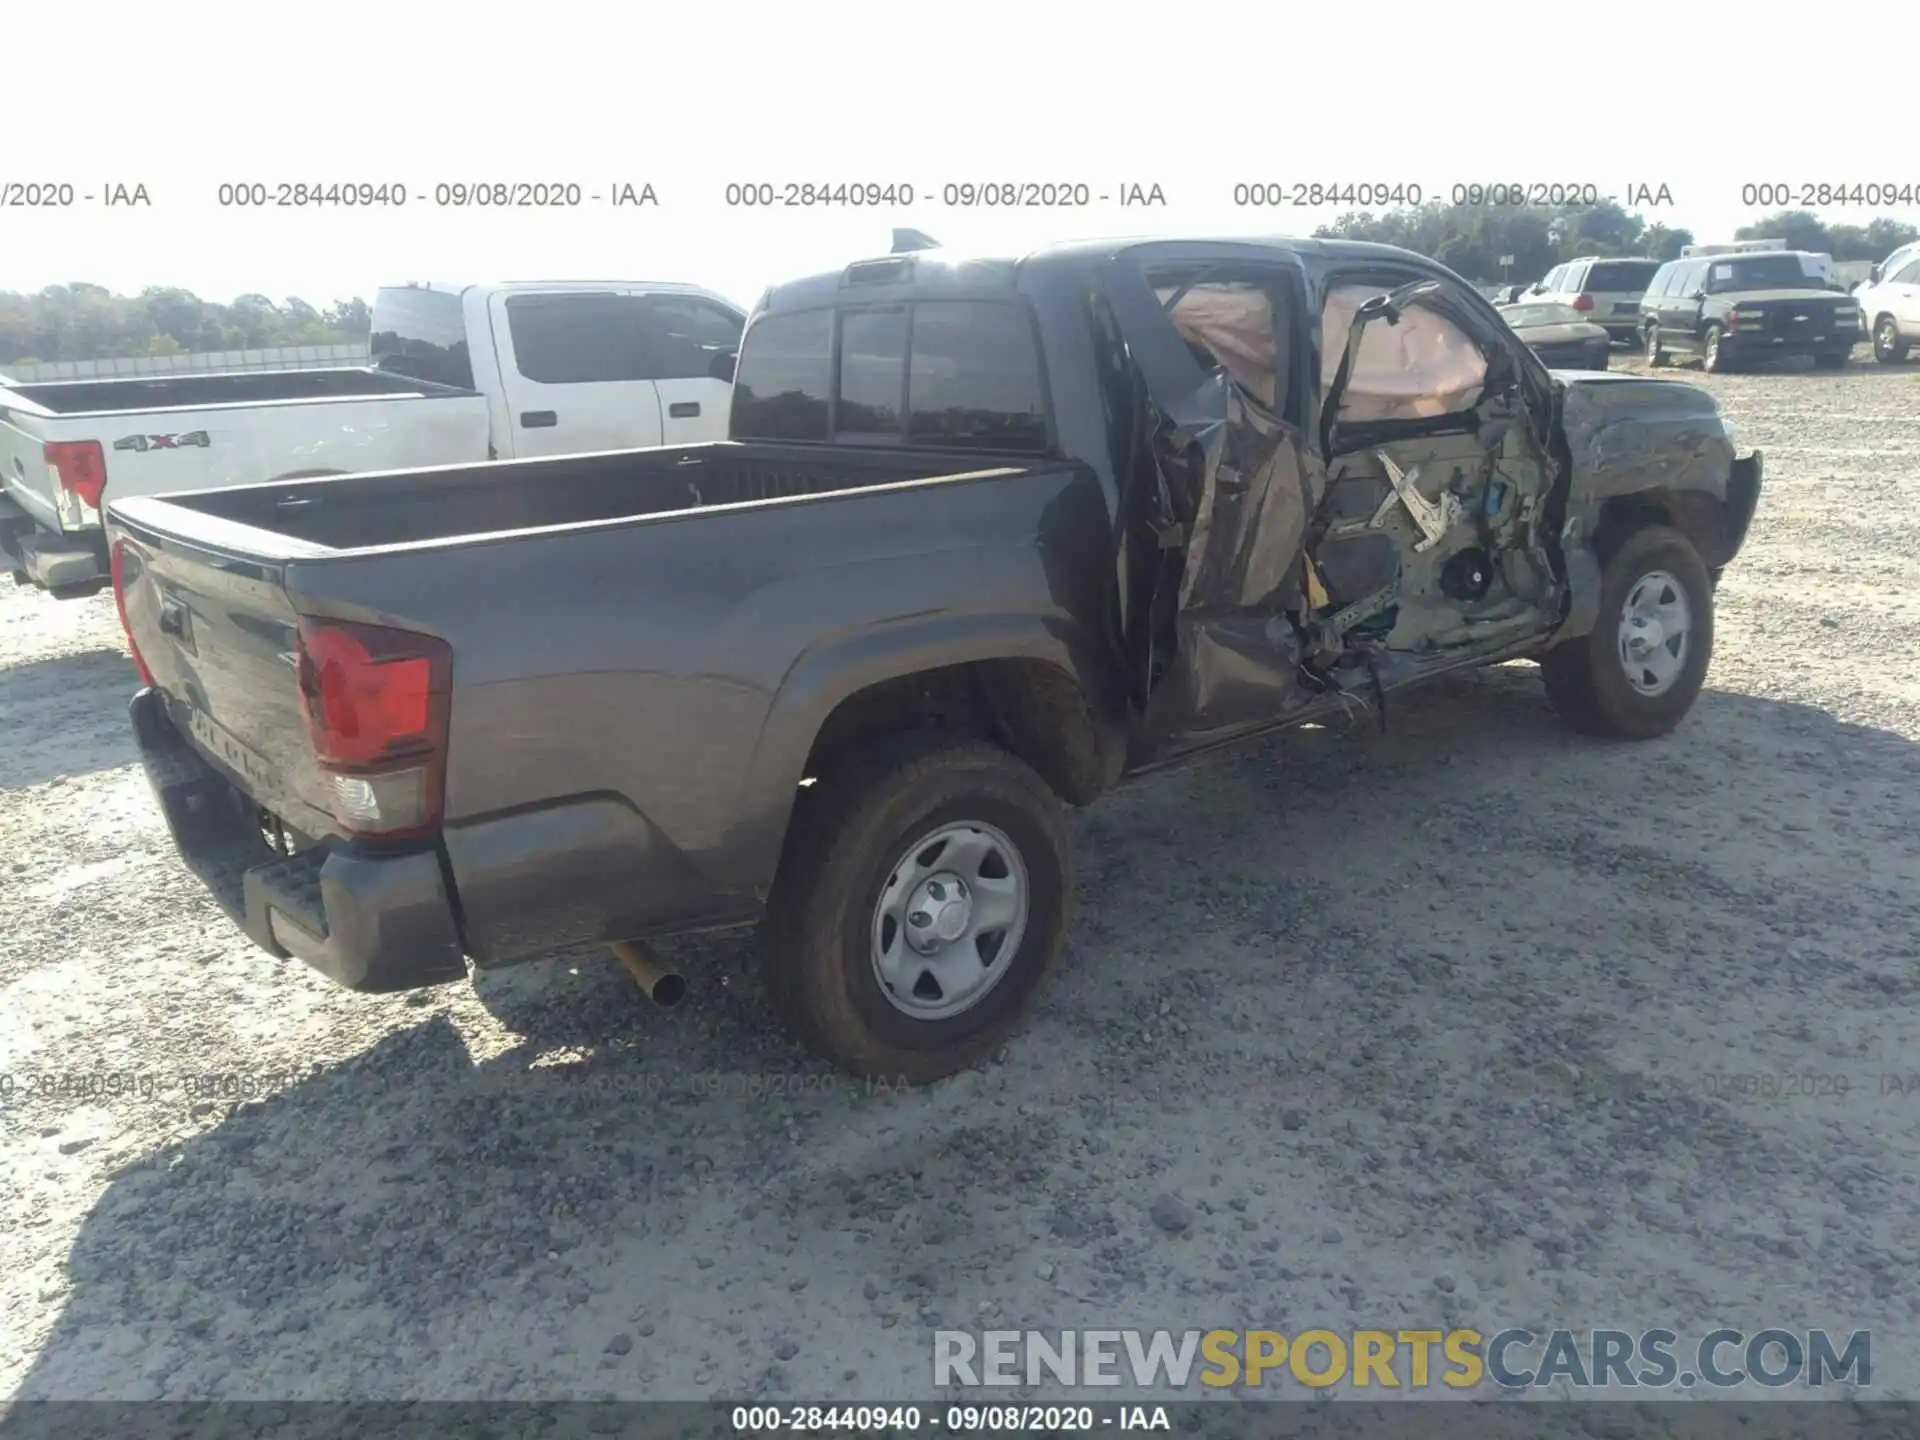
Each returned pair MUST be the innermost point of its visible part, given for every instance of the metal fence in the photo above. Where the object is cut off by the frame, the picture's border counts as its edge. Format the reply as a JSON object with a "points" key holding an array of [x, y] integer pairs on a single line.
{"points": [[285, 357]]}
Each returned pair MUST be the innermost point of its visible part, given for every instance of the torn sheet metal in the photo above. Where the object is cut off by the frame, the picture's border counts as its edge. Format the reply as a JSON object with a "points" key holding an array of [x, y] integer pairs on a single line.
{"points": [[1627, 433], [1224, 480]]}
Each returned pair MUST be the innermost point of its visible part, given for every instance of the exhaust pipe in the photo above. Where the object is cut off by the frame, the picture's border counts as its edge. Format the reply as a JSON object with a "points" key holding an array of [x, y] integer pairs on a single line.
{"points": [[661, 984]]}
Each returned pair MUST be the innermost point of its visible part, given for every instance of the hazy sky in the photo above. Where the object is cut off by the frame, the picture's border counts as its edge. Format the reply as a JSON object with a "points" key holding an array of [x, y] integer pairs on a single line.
{"points": [[185, 96]]}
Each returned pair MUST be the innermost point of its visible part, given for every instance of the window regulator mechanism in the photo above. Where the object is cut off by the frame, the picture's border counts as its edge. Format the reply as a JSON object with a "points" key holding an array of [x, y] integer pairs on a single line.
{"points": [[1434, 519]]}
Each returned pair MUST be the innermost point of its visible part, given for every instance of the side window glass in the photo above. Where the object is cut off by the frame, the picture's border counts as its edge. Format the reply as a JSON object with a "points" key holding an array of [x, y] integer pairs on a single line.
{"points": [[683, 333], [786, 371], [1662, 282], [575, 339], [1908, 274], [1423, 366]]}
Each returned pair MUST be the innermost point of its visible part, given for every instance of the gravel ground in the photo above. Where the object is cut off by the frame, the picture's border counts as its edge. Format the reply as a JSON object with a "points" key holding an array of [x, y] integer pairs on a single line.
{"points": [[1354, 1030]]}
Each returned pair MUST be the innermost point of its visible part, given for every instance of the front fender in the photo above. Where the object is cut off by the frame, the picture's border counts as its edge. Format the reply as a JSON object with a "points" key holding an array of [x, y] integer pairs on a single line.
{"points": [[1629, 433], [1633, 436]]}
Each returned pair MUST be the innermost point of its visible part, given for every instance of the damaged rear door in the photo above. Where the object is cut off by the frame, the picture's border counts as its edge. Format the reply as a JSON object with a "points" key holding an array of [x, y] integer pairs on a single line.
{"points": [[1216, 485]]}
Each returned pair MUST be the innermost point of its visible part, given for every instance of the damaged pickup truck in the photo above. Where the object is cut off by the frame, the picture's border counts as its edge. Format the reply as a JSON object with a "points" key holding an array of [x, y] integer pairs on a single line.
{"points": [[990, 535]]}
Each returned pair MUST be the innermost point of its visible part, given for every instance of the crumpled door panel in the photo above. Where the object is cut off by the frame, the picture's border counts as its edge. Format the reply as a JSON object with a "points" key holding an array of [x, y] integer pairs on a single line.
{"points": [[1217, 492]]}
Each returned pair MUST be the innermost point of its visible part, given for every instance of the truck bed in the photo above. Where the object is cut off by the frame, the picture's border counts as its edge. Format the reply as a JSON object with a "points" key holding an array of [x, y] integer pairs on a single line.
{"points": [[449, 503], [71, 398], [723, 595]]}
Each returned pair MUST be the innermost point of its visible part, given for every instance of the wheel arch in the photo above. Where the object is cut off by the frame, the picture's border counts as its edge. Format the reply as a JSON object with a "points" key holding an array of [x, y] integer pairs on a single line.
{"points": [[1038, 687]]}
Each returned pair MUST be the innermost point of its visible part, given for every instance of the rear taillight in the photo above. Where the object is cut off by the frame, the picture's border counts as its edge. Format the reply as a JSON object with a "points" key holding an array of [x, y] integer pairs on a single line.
{"points": [[1583, 302], [79, 468], [376, 704], [117, 564]]}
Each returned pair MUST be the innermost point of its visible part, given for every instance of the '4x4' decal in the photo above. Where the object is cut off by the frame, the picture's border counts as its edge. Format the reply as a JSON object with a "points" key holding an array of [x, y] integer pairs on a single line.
{"points": [[163, 442]]}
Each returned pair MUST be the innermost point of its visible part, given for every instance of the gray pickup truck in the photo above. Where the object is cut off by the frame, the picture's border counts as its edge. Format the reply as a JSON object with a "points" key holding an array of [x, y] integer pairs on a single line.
{"points": [[990, 536]]}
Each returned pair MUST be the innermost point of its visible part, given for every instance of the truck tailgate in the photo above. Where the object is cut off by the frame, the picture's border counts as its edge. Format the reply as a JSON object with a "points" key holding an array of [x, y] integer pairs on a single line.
{"points": [[24, 472], [217, 633]]}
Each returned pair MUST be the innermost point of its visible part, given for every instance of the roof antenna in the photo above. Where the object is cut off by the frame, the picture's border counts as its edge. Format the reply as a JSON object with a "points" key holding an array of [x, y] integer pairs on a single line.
{"points": [[906, 240]]}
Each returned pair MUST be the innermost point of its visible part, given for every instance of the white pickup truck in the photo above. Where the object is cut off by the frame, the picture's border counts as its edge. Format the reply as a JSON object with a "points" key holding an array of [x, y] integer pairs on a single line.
{"points": [[458, 374]]}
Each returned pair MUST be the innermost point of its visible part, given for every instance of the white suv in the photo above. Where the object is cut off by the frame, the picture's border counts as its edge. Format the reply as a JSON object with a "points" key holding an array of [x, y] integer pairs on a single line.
{"points": [[1890, 306], [1606, 290]]}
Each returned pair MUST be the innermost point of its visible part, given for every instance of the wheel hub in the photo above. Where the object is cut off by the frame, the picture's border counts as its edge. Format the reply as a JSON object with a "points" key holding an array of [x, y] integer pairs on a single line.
{"points": [[938, 913], [949, 920], [1655, 633]]}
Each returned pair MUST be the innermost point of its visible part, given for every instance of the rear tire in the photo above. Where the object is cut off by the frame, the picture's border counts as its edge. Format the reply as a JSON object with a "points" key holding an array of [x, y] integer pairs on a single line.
{"points": [[1713, 355], [1592, 680], [863, 840], [1831, 360], [1656, 353]]}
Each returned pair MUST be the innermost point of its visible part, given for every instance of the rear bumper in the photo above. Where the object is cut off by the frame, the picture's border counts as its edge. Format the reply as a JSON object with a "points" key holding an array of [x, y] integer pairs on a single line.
{"points": [[64, 564], [371, 921]]}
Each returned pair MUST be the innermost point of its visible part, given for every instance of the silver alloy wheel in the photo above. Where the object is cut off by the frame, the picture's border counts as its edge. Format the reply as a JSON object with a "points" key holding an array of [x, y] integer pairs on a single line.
{"points": [[1886, 338], [949, 920], [1655, 630], [1653, 344], [1713, 347]]}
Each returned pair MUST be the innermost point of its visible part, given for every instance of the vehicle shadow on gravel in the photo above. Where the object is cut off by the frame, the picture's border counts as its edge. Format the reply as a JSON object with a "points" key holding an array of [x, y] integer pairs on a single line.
{"points": [[65, 715], [420, 1220]]}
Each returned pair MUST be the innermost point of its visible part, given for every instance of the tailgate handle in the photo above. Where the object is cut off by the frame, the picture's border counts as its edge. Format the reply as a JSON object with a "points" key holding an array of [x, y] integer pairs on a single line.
{"points": [[538, 419], [174, 622], [684, 409]]}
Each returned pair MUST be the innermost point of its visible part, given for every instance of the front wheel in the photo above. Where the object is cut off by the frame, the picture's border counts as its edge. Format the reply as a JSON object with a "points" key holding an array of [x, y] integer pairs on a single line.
{"points": [[1637, 674], [924, 895], [1888, 347]]}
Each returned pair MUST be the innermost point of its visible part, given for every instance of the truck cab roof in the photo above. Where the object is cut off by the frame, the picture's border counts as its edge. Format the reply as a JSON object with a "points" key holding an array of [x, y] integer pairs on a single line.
{"points": [[957, 273]]}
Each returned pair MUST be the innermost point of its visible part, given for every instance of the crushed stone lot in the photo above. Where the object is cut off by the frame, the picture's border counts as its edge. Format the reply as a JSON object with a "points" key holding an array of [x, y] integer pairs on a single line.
{"points": [[1473, 1023]]}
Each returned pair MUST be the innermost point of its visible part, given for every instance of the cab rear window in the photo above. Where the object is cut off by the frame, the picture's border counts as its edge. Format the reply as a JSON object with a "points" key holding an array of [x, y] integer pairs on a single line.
{"points": [[946, 374], [1621, 277]]}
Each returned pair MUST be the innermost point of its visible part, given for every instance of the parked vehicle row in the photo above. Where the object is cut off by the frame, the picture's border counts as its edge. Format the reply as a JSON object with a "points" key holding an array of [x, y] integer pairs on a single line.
{"points": [[1728, 305], [458, 373], [989, 536]]}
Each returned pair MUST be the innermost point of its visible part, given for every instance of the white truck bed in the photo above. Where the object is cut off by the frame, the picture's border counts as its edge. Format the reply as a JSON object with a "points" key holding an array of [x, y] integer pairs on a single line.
{"points": [[164, 435]]}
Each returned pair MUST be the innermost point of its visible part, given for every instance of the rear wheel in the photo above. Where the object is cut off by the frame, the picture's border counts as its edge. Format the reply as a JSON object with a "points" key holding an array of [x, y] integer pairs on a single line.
{"points": [[1713, 355], [924, 895], [1637, 674], [1888, 346], [1656, 354]]}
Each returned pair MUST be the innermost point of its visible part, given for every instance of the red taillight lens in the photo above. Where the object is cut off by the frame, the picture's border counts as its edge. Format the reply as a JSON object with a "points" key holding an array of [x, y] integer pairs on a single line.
{"points": [[80, 466], [1583, 302], [117, 565], [376, 703]]}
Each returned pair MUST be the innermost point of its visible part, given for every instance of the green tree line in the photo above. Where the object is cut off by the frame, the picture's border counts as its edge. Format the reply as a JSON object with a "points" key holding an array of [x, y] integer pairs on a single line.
{"points": [[1471, 240], [90, 322]]}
